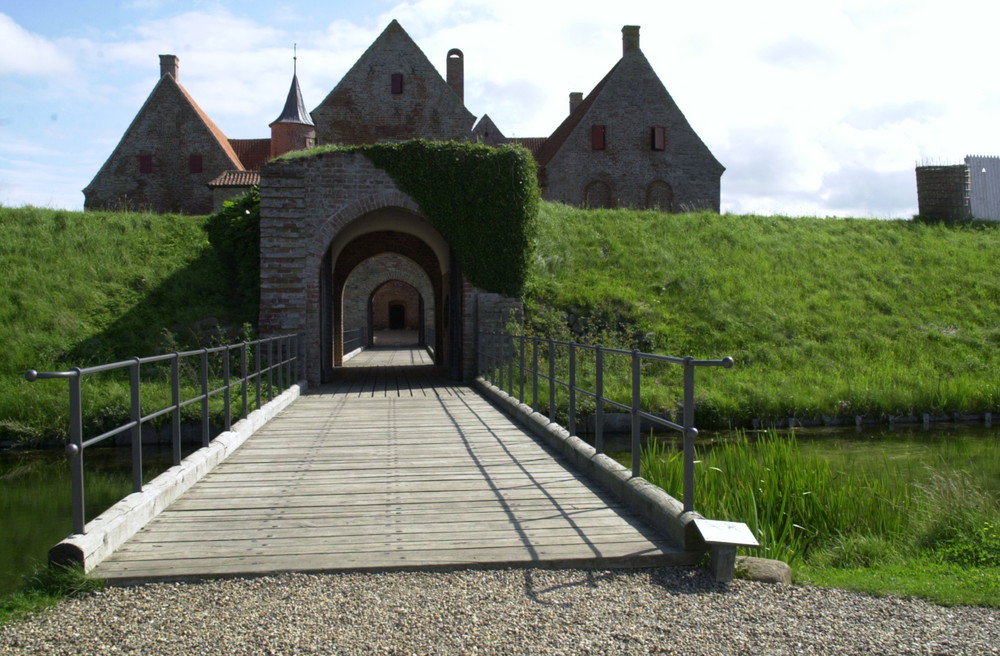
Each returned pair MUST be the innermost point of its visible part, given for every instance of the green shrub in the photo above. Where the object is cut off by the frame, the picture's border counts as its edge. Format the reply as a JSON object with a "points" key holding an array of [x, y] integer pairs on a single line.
{"points": [[234, 233]]}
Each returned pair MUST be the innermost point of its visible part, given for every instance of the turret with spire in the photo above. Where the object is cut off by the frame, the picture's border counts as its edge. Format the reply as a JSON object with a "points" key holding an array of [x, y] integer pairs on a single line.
{"points": [[294, 129]]}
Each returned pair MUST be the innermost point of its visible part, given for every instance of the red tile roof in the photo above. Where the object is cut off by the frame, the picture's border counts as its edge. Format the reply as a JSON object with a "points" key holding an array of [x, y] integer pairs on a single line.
{"points": [[253, 153], [236, 179], [534, 144]]}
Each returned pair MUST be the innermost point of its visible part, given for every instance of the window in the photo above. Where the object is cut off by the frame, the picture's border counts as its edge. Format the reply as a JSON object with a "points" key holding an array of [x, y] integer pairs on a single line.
{"points": [[145, 163], [598, 195], [194, 164], [659, 138], [660, 196], [598, 135], [397, 83]]}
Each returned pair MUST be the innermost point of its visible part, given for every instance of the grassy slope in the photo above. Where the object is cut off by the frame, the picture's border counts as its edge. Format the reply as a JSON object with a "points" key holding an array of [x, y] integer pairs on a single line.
{"points": [[83, 288], [823, 316]]}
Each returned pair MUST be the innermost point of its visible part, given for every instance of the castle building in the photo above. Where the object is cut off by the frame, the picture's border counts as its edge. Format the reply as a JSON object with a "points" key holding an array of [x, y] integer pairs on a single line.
{"points": [[626, 144]]}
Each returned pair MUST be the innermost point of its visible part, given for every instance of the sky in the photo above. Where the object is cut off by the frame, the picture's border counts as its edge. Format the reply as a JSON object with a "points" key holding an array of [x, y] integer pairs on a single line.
{"points": [[815, 109]]}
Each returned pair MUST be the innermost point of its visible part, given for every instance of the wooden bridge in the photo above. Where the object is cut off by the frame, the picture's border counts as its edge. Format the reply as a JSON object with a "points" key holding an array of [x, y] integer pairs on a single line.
{"points": [[391, 467]]}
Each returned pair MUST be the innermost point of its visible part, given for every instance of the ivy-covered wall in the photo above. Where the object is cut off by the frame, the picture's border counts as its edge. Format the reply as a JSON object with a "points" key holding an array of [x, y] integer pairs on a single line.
{"points": [[483, 200]]}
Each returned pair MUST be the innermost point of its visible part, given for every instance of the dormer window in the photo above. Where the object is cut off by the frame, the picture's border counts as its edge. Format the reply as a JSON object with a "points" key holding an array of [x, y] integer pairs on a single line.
{"points": [[397, 83], [598, 137], [659, 138]]}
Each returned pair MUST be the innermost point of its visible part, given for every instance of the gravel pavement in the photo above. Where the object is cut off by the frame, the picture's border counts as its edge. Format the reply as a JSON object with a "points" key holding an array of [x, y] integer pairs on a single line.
{"points": [[652, 611]]}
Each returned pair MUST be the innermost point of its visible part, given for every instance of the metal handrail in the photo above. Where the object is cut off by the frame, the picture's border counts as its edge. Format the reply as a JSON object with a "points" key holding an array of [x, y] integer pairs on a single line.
{"points": [[502, 354], [283, 360], [356, 338]]}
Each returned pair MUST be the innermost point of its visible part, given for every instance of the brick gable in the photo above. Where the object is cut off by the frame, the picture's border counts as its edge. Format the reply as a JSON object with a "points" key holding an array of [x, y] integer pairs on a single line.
{"points": [[169, 128], [363, 107]]}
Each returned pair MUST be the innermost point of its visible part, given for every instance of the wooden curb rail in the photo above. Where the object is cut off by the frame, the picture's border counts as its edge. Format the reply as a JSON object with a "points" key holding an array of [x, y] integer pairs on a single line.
{"points": [[109, 530]]}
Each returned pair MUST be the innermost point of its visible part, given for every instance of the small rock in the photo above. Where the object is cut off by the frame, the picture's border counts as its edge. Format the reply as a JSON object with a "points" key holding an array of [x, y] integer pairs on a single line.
{"points": [[763, 570]]}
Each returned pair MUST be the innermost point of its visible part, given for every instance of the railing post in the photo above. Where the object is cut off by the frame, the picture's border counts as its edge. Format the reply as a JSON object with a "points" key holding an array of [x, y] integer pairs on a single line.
{"points": [[481, 346], [534, 374], [226, 394], [599, 412], [521, 377], [204, 397], [300, 356], [175, 400], [136, 403], [243, 376], [257, 376], [552, 379], [75, 449], [500, 357], [270, 370], [572, 389], [287, 350], [508, 339], [636, 400], [281, 364], [690, 432]]}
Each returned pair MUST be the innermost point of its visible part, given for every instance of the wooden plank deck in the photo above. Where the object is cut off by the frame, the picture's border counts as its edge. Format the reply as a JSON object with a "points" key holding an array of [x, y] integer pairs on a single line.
{"points": [[390, 468]]}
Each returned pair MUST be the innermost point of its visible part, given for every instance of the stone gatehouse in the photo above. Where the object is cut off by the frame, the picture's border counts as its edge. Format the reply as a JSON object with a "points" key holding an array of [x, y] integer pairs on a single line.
{"points": [[335, 231]]}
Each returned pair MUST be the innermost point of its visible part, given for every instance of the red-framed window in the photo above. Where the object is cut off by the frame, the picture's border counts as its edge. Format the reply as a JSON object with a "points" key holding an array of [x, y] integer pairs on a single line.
{"points": [[145, 163], [397, 83], [598, 137], [658, 138]]}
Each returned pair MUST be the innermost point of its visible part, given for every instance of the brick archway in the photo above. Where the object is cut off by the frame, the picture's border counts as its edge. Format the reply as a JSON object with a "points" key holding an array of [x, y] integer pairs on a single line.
{"points": [[318, 218], [353, 253]]}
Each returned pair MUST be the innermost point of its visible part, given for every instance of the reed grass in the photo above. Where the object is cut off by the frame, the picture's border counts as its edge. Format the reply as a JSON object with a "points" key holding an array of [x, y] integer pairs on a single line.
{"points": [[821, 516]]}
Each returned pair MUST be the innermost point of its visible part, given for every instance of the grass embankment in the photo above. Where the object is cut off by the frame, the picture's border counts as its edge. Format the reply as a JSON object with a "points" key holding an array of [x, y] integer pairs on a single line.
{"points": [[824, 317], [88, 288], [928, 528]]}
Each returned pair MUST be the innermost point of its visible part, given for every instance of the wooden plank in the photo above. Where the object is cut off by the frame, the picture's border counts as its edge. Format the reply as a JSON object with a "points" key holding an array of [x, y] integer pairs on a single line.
{"points": [[385, 469]]}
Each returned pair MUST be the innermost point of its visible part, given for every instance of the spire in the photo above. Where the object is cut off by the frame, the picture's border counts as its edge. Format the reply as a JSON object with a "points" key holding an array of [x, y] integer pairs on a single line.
{"points": [[295, 108]]}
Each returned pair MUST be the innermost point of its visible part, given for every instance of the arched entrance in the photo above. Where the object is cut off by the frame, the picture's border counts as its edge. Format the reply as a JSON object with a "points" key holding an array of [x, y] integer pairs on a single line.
{"points": [[396, 315], [400, 268]]}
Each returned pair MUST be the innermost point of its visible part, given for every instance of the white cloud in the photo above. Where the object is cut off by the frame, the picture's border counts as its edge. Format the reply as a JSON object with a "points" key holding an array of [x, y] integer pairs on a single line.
{"points": [[24, 53]]}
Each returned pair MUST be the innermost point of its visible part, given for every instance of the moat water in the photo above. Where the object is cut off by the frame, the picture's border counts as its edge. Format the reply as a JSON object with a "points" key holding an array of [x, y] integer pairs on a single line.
{"points": [[35, 491]]}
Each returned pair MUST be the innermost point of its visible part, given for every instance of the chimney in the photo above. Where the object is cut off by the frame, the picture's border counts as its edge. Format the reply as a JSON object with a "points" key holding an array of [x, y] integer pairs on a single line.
{"points": [[456, 73], [575, 98], [170, 65], [630, 39]]}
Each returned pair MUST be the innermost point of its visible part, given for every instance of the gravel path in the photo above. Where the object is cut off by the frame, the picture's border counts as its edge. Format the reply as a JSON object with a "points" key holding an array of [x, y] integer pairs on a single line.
{"points": [[662, 611]]}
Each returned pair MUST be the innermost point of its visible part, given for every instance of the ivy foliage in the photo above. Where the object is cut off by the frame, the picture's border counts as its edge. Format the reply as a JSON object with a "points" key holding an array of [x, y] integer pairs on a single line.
{"points": [[234, 233], [483, 200]]}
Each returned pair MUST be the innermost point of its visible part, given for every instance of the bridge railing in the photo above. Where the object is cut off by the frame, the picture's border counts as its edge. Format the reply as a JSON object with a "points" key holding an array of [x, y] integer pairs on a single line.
{"points": [[269, 365], [520, 364], [355, 339]]}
